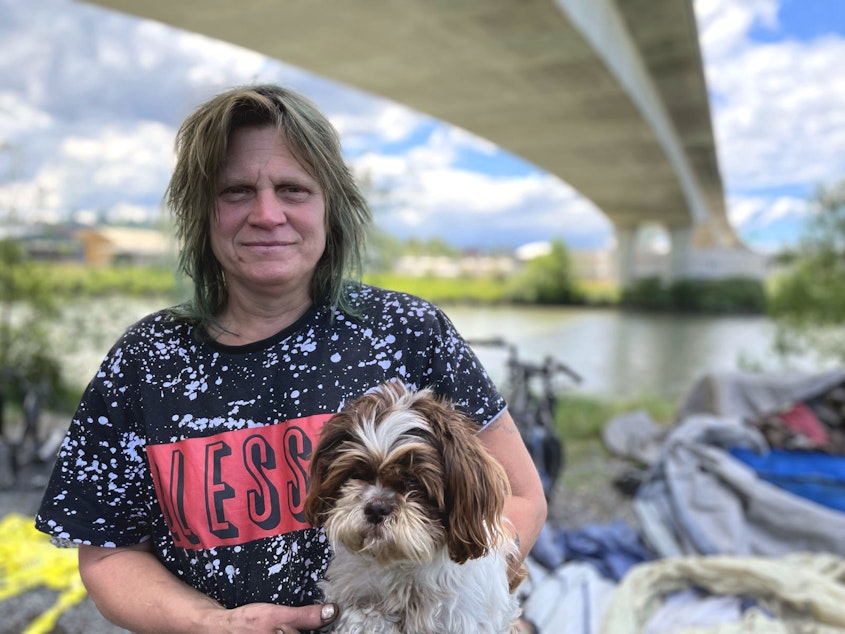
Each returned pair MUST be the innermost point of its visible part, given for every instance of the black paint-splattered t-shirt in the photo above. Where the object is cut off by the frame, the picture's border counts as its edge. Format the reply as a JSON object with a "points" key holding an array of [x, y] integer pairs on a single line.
{"points": [[204, 448]]}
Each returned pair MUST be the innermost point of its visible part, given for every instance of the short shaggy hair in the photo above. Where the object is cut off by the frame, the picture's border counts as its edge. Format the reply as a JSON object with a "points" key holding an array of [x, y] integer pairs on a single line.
{"points": [[201, 146]]}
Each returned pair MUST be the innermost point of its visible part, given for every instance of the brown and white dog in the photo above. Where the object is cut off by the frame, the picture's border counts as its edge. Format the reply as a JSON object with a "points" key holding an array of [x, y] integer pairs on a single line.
{"points": [[412, 505]]}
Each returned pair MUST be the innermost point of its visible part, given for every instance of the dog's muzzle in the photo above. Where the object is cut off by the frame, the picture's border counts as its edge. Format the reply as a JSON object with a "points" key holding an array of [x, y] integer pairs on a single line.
{"points": [[377, 510]]}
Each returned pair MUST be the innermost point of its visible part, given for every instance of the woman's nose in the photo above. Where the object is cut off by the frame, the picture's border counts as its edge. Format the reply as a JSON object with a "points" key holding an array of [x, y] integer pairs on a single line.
{"points": [[268, 209]]}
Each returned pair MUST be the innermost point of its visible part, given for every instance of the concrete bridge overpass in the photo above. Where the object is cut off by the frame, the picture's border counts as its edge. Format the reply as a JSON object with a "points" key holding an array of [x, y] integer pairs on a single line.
{"points": [[609, 96]]}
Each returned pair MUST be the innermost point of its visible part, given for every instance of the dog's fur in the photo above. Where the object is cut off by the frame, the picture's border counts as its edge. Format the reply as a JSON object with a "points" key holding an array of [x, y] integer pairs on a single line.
{"points": [[412, 505]]}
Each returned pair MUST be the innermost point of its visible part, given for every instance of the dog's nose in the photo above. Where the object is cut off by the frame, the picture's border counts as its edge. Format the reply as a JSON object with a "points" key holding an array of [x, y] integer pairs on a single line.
{"points": [[376, 511]]}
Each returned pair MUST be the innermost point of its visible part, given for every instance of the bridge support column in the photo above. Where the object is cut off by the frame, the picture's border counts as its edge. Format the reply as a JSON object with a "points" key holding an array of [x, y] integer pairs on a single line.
{"points": [[679, 263], [626, 255]]}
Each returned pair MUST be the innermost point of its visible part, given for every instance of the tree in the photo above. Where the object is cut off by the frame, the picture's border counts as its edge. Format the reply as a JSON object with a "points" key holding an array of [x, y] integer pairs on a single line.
{"points": [[547, 279], [808, 302], [28, 361], [27, 358]]}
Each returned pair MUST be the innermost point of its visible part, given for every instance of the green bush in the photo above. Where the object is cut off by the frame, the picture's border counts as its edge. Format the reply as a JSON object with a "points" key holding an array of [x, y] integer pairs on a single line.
{"points": [[647, 292], [27, 360], [547, 279], [729, 295], [808, 297]]}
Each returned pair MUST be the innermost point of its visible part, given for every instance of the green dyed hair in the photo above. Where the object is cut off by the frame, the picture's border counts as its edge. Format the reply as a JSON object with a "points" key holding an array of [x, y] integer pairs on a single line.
{"points": [[201, 146]]}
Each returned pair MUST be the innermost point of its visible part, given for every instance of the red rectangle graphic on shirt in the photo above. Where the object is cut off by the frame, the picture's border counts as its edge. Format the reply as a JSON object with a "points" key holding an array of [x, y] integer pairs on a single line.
{"points": [[236, 486]]}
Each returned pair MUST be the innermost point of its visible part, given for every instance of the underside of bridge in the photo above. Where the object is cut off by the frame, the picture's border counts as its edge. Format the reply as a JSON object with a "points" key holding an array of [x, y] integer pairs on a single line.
{"points": [[609, 96]]}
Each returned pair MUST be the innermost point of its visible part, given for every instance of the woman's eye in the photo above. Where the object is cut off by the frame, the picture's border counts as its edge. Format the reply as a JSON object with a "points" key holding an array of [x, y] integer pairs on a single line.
{"points": [[294, 193], [234, 193]]}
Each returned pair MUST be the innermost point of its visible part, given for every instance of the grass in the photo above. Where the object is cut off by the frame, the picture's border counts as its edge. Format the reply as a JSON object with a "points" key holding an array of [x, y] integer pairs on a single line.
{"points": [[441, 290], [585, 466], [580, 420], [77, 279], [600, 292], [478, 290]]}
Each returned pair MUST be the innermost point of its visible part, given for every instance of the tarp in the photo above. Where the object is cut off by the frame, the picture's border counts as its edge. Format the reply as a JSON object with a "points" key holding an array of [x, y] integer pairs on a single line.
{"points": [[739, 397], [797, 593], [813, 475], [702, 494], [700, 500], [571, 599], [750, 395], [745, 543]]}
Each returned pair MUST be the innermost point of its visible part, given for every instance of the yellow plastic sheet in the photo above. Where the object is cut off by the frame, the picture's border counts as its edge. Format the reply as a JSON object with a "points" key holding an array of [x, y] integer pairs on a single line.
{"points": [[28, 560]]}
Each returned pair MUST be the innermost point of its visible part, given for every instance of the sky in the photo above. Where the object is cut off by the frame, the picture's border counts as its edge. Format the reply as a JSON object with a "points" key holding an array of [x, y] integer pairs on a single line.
{"points": [[90, 101]]}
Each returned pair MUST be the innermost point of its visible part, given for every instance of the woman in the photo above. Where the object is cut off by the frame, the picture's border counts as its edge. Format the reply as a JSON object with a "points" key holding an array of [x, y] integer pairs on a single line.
{"points": [[183, 473]]}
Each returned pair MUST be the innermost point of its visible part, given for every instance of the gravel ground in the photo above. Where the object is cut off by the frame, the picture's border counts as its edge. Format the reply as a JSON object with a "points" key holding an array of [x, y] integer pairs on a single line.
{"points": [[585, 494]]}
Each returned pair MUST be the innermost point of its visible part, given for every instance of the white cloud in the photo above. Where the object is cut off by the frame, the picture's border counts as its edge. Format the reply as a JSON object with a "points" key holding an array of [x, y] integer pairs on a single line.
{"points": [[115, 164], [779, 109], [386, 121], [761, 211], [780, 118], [448, 191], [18, 118], [131, 163], [128, 213], [779, 115], [426, 190], [475, 209], [724, 24]]}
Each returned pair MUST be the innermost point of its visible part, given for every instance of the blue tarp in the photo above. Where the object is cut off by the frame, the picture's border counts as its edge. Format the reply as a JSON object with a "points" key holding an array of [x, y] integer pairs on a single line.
{"points": [[612, 548], [813, 475]]}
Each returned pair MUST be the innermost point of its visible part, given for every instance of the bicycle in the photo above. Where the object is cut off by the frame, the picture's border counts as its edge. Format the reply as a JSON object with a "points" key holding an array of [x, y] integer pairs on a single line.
{"points": [[533, 408]]}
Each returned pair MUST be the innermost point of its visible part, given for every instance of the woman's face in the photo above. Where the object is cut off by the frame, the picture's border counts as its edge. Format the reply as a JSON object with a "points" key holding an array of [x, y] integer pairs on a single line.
{"points": [[269, 231]]}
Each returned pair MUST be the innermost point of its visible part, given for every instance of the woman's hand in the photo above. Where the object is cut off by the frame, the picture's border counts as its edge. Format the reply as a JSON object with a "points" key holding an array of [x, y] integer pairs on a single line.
{"points": [[133, 589], [267, 618]]}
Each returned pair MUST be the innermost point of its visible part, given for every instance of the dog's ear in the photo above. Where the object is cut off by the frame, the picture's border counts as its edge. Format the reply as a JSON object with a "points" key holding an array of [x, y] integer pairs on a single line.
{"points": [[322, 488], [475, 483]]}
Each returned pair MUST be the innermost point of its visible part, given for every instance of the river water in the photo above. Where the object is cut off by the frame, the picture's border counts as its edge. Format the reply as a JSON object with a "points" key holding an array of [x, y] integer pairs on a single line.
{"points": [[618, 353], [625, 354]]}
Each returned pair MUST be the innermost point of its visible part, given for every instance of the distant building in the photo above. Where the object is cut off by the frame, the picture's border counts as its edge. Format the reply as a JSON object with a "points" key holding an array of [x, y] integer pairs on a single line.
{"points": [[50, 243], [593, 265], [602, 265], [598, 265], [108, 246], [701, 264], [467, 265], [726, 262]]}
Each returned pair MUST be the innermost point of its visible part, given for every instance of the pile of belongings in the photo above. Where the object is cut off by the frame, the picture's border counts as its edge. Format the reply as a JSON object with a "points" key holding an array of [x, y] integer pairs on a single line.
{"points": [[740, 509]]}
